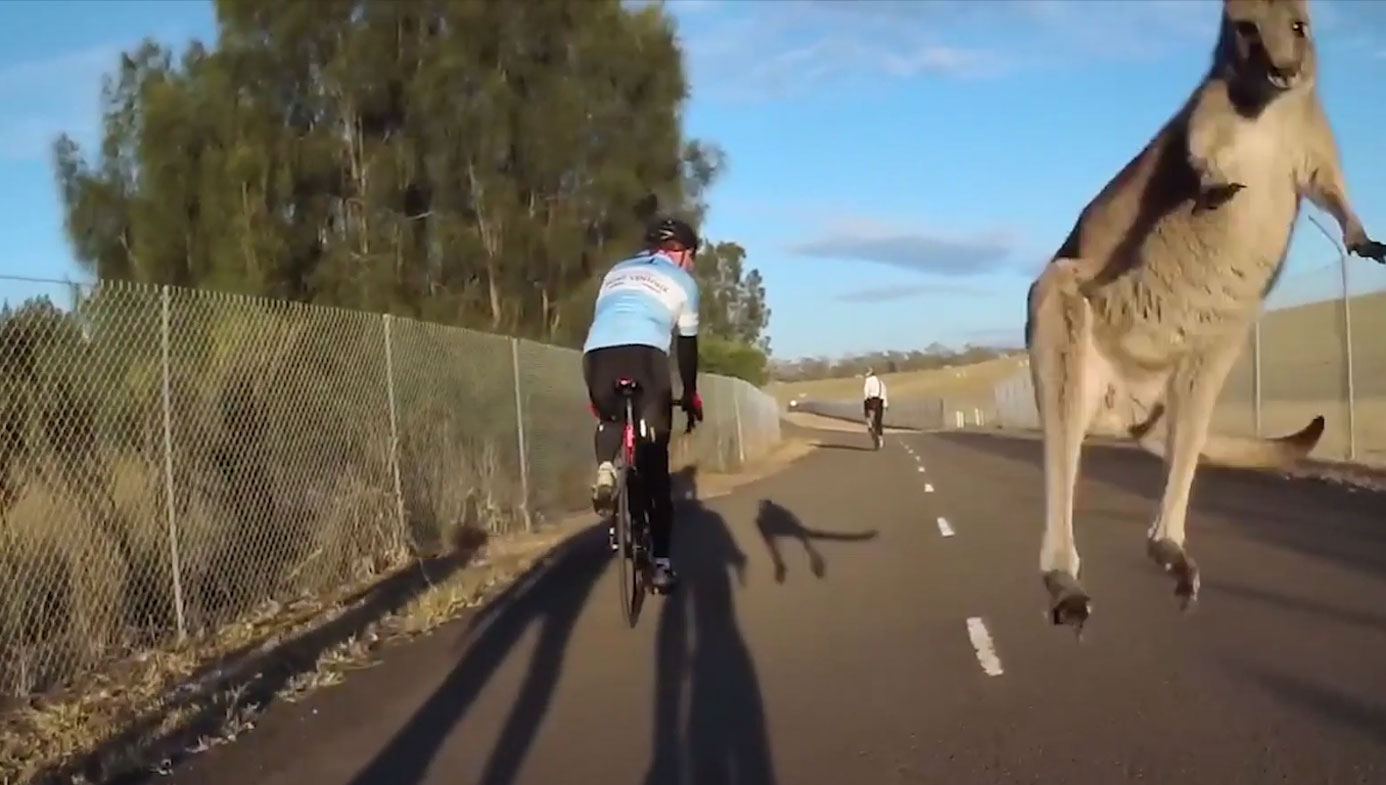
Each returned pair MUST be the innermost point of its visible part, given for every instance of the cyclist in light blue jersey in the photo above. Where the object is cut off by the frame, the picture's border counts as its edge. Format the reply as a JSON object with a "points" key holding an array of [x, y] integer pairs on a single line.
{"points": [[642, 301]]}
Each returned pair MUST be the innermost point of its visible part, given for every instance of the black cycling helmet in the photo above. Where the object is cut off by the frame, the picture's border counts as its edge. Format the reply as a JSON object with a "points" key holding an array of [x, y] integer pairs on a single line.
{"points": [[671, 229]]}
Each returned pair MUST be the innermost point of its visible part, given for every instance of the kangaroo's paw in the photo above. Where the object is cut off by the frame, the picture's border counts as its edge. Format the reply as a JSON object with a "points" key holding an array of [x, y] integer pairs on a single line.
{"points": [[1174, 559], [1211, 196], [1068, 603]]}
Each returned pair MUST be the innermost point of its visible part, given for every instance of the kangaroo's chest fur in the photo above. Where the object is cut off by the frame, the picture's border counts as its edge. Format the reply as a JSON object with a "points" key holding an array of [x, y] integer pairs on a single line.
{"points": [[1168, 277]]}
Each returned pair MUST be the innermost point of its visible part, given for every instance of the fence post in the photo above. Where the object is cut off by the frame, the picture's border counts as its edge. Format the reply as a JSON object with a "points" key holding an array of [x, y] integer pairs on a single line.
{"points": [[1256, 376], [174, 561], [1347, 336], [387, 320], [1347, 354], [520, 431], [740, 435]]}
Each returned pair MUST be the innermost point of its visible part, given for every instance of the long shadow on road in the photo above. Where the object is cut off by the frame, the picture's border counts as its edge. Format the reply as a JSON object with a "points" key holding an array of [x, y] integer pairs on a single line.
{"points": [[1354, 712], [775, 523], [721, 736], [1309, 516], [835, 446], [552, 595]]}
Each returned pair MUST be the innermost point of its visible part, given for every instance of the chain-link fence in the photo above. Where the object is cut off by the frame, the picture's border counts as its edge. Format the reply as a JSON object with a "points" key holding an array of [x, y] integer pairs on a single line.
{"points": [[1314, 351], [171, 460]]}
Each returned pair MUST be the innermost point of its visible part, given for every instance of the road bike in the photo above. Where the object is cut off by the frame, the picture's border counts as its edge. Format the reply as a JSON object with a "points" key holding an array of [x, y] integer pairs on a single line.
{"points": [[631, 522]]}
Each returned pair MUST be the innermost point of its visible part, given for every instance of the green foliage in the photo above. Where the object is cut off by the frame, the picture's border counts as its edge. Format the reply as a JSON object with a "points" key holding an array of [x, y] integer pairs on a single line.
{"points": [[732, 358], [733, 301], [732, 315], [473, 164]]}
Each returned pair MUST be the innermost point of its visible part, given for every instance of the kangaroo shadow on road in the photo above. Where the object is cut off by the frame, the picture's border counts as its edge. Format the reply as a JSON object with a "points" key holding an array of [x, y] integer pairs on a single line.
{"points": [[720, 736], [775, 523], [552, 595]]}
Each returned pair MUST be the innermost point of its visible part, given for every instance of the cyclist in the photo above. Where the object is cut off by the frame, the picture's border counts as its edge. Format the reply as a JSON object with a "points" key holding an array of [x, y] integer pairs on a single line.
{"points": [[641, 302], [874, 401]]}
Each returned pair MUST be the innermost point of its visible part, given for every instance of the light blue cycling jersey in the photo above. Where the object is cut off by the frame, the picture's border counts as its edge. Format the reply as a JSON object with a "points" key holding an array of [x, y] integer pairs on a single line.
{"points": [[641, 301]]}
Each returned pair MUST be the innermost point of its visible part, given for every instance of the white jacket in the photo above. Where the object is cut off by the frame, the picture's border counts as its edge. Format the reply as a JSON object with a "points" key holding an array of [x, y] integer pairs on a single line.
{"points": [[875, 388]]}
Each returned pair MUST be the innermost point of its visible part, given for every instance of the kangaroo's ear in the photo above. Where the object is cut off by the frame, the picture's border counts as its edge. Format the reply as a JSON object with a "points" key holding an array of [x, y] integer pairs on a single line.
{"points": [[646, 207]]}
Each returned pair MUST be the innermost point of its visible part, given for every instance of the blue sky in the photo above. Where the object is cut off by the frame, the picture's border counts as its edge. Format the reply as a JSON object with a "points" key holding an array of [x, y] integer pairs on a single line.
{"points": [[897, 170]]}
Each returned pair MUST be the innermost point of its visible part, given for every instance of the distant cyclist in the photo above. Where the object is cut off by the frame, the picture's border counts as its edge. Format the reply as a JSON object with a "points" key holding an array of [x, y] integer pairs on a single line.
{"points": [[641, 302], [874, 400]]}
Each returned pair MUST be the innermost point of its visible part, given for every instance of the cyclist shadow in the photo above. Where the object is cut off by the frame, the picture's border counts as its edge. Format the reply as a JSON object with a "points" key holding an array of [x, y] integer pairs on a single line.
{"points": [[720, 736], [551, 595], [775, 523]]}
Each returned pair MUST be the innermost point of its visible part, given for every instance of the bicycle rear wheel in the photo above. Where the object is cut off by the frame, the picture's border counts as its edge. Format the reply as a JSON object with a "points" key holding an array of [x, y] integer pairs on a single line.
{"points": [[628, 554]]}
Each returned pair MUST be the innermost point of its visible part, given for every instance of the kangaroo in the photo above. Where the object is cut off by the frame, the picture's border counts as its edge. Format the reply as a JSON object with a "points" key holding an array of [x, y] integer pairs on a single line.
{"points": [[1137, 319]]}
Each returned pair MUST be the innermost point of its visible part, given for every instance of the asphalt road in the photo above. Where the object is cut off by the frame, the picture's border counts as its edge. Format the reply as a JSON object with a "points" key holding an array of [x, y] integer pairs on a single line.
{"points": [[854, 661]]}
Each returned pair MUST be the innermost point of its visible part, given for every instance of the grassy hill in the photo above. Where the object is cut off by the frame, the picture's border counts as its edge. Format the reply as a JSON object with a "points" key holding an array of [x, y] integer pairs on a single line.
{"points": [[1303, 374], [968, 382]]}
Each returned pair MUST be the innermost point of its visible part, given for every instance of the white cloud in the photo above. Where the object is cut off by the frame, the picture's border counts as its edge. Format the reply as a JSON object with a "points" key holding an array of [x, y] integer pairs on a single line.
{"points": [[759, 50], [751, 50], [935, 253], [879, 294]]}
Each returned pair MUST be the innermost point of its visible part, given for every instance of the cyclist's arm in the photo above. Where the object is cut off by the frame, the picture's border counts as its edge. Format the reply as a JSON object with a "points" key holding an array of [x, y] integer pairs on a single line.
{"points": [[688, 364], [688, 344]]}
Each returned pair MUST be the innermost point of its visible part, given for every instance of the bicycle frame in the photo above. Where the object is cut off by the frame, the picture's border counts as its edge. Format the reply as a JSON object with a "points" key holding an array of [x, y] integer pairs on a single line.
{"points": [[628, 433]]}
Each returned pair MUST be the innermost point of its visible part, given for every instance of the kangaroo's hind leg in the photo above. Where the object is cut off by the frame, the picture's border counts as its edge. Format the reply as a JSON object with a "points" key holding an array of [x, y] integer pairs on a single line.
{"points": [[1190, 397], [1069, 379]]}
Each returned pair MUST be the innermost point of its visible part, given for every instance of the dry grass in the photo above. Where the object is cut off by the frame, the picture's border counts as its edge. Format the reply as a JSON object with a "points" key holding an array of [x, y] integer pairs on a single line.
{"points": [[194, 697], [162, 705], [49, 732], [965, 382]]}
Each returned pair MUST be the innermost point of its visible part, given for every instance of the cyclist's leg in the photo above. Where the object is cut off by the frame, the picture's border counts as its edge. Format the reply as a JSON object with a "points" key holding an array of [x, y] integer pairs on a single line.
{"points": [[601, 368], [657, 409], [654, 474]]}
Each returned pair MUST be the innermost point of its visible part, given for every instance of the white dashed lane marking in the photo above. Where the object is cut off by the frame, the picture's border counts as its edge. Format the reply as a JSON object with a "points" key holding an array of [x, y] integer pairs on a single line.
{"points": [[944, 528], [928, 487], [981, 643]]}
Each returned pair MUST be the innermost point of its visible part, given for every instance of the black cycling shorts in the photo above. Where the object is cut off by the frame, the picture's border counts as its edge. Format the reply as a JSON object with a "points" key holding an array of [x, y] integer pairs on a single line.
{"points": [[648, 366]]}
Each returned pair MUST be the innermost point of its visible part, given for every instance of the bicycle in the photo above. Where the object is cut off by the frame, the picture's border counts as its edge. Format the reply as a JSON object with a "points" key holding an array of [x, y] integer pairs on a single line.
{"points": [[633, 547]]}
